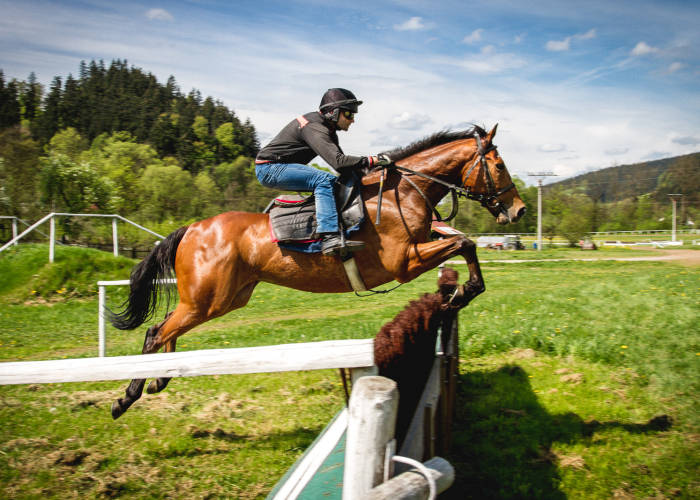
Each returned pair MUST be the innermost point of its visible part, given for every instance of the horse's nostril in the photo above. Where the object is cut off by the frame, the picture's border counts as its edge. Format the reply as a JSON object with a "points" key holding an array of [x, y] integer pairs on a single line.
{"points": [[522, 212]]}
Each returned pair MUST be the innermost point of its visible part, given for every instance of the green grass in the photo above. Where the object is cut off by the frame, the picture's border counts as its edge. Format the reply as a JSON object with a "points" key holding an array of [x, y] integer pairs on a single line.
{"points": [[578, 380]]}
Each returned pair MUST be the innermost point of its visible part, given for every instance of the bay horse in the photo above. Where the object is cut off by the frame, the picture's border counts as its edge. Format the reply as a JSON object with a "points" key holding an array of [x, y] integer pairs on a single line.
{"points": [[219, 261]]}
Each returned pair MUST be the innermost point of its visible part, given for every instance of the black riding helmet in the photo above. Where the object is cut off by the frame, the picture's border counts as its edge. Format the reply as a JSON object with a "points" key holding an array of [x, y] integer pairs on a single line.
{"points": [[336, 99]]}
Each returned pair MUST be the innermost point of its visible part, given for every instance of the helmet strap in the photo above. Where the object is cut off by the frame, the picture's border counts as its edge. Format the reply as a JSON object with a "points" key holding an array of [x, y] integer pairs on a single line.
{"points": [[332, 115]]}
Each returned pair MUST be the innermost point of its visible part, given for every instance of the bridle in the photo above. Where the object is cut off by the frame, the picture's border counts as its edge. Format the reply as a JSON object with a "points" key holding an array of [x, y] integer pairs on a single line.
{"points": [[490, 200], [492, 195]]}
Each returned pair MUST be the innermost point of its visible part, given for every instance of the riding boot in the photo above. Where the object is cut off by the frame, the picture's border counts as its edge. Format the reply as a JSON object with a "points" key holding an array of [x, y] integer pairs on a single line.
{"points": [[333, 244]]}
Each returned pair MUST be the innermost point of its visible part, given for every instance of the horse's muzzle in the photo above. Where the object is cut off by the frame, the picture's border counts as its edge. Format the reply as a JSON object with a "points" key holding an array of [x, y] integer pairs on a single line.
{"points": [[507, 216]]}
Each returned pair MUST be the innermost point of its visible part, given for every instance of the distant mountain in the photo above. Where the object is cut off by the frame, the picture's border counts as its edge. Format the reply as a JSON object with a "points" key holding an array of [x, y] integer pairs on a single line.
{"points": [[680, 174]]}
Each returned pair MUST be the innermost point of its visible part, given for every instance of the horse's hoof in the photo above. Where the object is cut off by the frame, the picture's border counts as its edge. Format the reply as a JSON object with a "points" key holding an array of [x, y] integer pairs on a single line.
{"points": [[153, 387], [117, 410]]}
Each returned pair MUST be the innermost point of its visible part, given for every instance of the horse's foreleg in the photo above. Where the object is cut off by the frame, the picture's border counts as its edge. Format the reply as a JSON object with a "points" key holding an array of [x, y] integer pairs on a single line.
{"points": [[425, 256], [475, 286]]}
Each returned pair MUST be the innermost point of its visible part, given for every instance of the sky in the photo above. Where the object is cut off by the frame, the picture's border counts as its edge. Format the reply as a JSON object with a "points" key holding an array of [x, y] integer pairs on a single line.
{"points": [[573, 88]]}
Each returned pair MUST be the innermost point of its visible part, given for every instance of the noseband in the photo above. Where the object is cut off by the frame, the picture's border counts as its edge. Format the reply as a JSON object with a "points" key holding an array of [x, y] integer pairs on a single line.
{"points": [[490, 200]]}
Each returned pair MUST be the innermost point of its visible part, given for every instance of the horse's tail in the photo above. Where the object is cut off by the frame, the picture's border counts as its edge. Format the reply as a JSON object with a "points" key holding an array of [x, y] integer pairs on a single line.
{"points": [[145, 289]]}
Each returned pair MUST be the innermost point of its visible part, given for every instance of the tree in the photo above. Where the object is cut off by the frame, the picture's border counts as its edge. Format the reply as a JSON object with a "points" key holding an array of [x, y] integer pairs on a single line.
{"points": [[122, 160], [226, 135], [166, 191], [73, 186], [9, 105], [69, 143], [49, 121], [207, 198], [20, 154], [30, 97]]}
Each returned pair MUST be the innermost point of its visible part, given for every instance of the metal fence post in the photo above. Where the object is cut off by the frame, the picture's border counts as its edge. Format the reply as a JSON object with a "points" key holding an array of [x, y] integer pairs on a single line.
{"points": [[115, 238], [52, 237], [101, 321]]}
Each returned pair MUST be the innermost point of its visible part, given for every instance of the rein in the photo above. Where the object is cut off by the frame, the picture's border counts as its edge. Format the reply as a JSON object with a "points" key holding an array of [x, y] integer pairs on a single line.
{"points": [[485, 199]]}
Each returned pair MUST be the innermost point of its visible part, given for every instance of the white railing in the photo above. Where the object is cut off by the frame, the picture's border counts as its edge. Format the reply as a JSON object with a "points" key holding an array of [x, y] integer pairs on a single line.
{"points": [[52, 230], [354, 353]]}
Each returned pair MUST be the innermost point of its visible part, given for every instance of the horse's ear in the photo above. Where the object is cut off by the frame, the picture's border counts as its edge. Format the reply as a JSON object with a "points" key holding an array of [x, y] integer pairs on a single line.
{"points": [[492, 134]]}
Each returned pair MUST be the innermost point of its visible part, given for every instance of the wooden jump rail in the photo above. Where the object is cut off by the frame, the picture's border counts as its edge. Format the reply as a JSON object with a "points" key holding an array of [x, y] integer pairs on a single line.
{"points": [[277, 358]]}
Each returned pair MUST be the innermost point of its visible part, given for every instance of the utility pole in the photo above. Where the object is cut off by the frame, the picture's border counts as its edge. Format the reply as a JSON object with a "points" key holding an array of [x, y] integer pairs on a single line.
{"points": [[539, 176], [674, 200]]}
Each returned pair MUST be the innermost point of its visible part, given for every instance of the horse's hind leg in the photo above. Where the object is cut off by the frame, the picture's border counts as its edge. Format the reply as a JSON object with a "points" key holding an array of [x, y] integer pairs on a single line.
{"points": [[182, 319], [161, 383], [135, 388]]}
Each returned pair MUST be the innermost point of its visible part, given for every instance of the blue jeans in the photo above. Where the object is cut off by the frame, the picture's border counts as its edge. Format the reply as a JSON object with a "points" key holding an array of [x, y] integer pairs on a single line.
{"points": [[297, 177]]}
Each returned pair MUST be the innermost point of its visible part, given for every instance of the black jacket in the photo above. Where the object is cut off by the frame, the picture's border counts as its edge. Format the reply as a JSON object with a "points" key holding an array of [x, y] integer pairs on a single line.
{"points": [[306, 137]]}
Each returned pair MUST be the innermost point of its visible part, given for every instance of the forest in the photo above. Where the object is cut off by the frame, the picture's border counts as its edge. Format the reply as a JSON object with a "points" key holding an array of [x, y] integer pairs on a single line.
{"points": [[115, 140]]}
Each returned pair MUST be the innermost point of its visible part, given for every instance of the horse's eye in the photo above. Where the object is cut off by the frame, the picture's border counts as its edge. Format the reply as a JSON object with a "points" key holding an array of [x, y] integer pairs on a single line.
{"points": [[500, 165]]}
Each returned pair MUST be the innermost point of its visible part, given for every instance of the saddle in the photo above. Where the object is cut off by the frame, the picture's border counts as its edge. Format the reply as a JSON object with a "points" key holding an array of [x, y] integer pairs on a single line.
{"points": [[293, 217]]}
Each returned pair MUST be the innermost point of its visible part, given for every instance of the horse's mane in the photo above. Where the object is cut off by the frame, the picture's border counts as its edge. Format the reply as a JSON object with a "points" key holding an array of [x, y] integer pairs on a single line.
{"points": [[437, 139]]}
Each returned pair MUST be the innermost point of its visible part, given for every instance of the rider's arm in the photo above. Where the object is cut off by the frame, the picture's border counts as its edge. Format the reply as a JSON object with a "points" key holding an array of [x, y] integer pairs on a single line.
{"points": [[317, 136]]}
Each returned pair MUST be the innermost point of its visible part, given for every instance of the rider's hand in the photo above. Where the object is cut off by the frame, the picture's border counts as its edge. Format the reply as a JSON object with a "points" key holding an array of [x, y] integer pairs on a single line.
{"points": [[383, 160]]}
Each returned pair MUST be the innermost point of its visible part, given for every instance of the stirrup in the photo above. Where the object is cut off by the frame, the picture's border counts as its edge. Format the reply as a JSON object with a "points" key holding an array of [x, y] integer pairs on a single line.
{"points": [[334, 244]]}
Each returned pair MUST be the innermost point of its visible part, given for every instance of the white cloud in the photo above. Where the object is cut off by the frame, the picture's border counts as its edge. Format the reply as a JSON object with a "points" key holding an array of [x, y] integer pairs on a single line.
{"points": [[558, 46], [474, 36], [565, 44], [642, 49], [409, 121], [551, 148], [487, 62], [413, 24], [675, 66], [159, 15], [588, 35]]}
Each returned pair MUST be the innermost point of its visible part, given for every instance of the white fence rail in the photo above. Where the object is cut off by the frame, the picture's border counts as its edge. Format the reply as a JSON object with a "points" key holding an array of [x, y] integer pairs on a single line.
{"points": [[52, 230], [355, 353]]}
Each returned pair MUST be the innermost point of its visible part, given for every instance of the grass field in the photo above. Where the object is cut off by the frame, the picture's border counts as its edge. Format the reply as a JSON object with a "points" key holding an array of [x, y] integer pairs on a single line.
{"points": [[578, 380]]}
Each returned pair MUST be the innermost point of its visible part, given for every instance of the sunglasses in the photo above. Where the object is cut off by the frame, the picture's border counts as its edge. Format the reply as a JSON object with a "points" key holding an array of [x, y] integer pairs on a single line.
{"points": [[349, 115]]}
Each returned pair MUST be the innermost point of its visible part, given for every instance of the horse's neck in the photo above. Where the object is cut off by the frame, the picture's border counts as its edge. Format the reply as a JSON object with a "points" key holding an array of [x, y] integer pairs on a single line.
{"points": [[444, 164]]}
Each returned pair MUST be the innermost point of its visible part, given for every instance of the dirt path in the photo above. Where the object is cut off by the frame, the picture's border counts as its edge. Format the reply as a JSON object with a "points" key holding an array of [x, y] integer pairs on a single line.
{"points": [[686, 257]]}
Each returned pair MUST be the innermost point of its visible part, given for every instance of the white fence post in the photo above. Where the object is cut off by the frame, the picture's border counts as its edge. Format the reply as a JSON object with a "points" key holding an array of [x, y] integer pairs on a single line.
{"points": [[372, 413], [52, 237], [101, 321], [14, 230], [115, 238]]}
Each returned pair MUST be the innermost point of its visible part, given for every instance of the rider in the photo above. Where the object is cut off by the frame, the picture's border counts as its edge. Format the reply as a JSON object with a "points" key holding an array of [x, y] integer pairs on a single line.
{"points": [[283, 162]]}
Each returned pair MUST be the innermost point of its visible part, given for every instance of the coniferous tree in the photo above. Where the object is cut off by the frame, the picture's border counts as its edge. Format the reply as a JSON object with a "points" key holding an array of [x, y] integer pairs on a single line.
{"points": [[49, 121], [9, 105], [31, 98]]}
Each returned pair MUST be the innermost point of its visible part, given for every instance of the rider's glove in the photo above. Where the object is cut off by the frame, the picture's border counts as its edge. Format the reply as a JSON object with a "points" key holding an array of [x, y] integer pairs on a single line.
{"points": [[383, 160]]}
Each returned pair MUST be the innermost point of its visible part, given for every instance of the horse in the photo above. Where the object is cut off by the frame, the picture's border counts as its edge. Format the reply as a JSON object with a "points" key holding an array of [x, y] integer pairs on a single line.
{"points": [[219, 261]]}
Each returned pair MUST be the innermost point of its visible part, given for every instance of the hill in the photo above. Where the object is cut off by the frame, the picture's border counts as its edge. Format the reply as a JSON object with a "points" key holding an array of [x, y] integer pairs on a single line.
{"points": [[679, 174], [27, 275]]}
